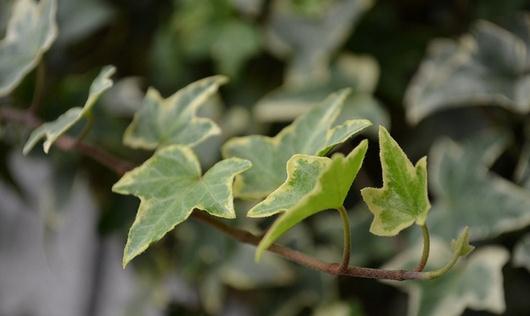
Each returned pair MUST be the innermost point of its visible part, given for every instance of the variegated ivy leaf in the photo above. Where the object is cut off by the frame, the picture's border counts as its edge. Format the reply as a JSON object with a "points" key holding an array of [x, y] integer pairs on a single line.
{"points": [[162, 122], [403, 198], [311, 134], [51, 131], [468, 194], [170, 185], [521, 252], [487, 67], [313, 184], [31, 30], [475, 283]]}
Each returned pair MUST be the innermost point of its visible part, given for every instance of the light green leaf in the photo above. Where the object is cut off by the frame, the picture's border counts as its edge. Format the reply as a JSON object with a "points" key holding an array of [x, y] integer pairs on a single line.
{"points": [[521, 252], [162, 122], [487, 67], [30, 32], [313, 184], [310, 134], [403, 198], [475, 283], [468, 194], [170, 185], [53, 130]]}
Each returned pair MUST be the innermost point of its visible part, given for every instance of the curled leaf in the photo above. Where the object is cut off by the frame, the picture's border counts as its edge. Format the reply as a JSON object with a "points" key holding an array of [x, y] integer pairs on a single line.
{"points": [[314, 184]]}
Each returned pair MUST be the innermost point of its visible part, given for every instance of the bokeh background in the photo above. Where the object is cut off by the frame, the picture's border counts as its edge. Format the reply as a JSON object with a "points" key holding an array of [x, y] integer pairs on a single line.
{"points": [[450, 79]]}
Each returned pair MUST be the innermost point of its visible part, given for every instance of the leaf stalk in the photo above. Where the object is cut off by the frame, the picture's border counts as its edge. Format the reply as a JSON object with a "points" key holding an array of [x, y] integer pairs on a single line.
{"points": [[347, 238], [426, 248]]}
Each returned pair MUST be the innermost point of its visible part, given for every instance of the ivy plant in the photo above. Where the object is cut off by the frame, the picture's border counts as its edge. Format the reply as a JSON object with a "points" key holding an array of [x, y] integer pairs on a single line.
{"points": [[188, 160], [290, 173]]}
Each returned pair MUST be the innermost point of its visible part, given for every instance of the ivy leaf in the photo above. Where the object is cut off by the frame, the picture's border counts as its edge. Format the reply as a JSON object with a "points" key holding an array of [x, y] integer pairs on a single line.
{"points": [[488, 66], [170, 186], [521, 252], [309, 134], [162, 122], [475, 283], [468, 194], [313, 184], [30, 32], [403, 198], [53, 130]]}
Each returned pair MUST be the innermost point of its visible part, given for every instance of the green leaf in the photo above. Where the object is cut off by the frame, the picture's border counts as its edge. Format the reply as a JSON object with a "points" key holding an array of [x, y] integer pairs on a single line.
{"points": [[521, 252], [313, 184], [53, 130], [162, 122], [30, 32], [468, 194], [476, 283], [403, 198], [489, 66], [170, 186], [309, 134]]}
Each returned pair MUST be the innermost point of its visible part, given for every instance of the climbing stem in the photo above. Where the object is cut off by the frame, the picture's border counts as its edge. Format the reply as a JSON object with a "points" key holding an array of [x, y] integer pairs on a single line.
{"points": [[426, 248], [347, 238]]}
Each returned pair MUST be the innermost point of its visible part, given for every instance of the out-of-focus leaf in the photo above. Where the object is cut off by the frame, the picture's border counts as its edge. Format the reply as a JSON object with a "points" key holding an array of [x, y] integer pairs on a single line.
{"points": [[489, 66], [5, 13], [468, 194], [339, 309], [403, 198], [53, 130], [475, 283], [522, 172], [240, 271], [310, 40], [360, 73], [125, 97], [78, 19], [30, 32], [521, 252], [162, 122], [236, 43], [309, 134], [212, 293], [313, 184], [213, 29], [170, 185]]}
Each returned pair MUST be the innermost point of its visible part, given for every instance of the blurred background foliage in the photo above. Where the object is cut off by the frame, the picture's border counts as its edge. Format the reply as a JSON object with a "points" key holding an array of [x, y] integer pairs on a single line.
{"points": [[449, 85]]}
